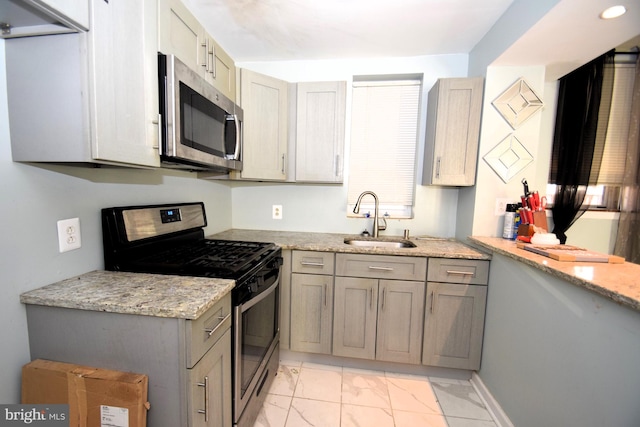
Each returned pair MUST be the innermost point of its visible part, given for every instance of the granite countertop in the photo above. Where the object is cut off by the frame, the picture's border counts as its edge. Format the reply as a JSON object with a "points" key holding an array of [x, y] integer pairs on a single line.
{"points": [[616, 281], [186, 297], [333, 242], [157, 295]]}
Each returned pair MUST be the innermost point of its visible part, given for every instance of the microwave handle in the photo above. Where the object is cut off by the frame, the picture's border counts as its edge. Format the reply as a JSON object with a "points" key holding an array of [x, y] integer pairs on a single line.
{"points": [[237, 124]]}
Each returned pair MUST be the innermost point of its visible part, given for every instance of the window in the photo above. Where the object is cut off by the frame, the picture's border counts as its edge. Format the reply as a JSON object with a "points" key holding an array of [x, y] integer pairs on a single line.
{"points": [[605, 195], [384, 130]]}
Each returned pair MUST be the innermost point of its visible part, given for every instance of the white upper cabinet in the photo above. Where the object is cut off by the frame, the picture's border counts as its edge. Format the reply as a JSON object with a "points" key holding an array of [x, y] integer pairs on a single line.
{"points": [[23, 18], [95, 100], [264, 101], [182, 35], [320, 122], [123, 63], [220, 70], [453, 130], [292, 132]]}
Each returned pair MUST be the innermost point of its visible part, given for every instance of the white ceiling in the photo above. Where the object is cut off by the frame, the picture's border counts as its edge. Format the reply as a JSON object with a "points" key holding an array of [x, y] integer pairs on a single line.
{"points": [[571, 34], [273, 30]]}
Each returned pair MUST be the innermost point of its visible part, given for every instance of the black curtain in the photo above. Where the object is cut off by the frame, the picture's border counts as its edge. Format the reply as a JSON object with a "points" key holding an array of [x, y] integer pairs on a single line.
{"points": [[584, 101]]}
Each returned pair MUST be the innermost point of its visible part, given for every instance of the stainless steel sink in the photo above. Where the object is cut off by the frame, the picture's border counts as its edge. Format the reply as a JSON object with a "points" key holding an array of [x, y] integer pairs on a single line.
{"points": [[379, 242]]}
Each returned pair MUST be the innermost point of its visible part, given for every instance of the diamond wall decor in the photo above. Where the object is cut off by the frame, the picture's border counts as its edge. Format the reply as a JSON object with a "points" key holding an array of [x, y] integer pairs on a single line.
{"points": [[508, 158], [518, 103]]}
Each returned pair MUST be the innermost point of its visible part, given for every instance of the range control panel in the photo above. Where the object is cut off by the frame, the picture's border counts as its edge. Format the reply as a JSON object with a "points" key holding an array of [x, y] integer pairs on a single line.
{"points": [[170, 215]]}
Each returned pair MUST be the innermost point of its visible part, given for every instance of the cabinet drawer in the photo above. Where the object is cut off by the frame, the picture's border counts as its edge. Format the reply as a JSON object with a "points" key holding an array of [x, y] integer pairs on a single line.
{"points": [[467, 271], [203, 332], [381, 266], [312, 262]]}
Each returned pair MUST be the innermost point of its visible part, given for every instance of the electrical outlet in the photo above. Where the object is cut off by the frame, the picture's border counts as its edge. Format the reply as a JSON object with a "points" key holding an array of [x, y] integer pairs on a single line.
{"points": [[69, 234], [501, 206], [277, 211]]}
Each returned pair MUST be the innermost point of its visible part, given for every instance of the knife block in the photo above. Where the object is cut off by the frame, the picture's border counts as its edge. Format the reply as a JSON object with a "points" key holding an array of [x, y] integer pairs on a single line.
{"points": [[540, 220]]}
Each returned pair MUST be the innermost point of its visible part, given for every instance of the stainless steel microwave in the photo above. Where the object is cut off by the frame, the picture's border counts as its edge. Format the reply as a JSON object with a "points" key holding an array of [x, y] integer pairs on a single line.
{"points": [[201, 129]]}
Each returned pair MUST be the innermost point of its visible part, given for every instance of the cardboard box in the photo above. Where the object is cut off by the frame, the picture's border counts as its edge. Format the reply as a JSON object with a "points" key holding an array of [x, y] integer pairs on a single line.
{"points": [[96, 397]]}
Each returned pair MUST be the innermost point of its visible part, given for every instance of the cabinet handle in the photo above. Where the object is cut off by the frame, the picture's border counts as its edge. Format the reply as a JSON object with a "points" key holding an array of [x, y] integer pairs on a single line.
{"points": [[325, 294], [431, 308], [384, 298], [370, 298], [222, 320], [460, 273], [205, 411], [159, 123], [375, 267], [212, 55], [312, 264], [283, 164], [205, 47], [438, 168]]}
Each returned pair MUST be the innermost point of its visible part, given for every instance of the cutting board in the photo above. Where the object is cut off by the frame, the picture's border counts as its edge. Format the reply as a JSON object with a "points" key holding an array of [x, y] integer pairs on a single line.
{"points": [[570, 253]]}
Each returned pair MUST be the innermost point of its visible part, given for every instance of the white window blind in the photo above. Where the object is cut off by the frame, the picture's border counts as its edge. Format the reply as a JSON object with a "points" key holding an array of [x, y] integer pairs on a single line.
{"points": [[615, 146], [384, 129]]}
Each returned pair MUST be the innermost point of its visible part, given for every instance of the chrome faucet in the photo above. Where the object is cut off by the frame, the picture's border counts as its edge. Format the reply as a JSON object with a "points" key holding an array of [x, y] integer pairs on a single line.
{"points": [[376, 226]]}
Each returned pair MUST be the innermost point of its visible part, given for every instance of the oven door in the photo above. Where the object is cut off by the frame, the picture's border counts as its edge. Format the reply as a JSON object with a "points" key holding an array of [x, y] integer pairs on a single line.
{"points": [[256, 335]]}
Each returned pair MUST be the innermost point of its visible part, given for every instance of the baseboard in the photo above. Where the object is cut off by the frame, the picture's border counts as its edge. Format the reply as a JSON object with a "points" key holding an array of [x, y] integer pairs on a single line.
{"points": [[399, 368], [499, 416]]}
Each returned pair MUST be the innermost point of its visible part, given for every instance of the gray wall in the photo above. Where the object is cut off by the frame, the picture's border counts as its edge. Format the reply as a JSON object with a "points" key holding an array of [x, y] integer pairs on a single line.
{"points": [[556, 354], [33, 199]]}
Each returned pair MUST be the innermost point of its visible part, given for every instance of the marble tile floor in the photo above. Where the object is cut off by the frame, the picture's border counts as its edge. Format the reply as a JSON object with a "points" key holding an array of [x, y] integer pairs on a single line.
{"points": [[308, 394]]}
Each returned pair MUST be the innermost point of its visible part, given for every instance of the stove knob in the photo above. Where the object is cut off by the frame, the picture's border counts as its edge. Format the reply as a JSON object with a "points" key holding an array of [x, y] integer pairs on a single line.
{"points": [[253, 285]]}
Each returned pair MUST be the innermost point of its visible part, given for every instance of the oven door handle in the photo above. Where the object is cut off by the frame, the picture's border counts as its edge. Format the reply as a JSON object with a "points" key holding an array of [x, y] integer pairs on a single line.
{"points": [[261, 296]]}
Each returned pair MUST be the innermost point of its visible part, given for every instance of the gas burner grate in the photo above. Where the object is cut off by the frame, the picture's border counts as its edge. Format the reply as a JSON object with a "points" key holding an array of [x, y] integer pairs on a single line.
{"points": [[216, 257]]}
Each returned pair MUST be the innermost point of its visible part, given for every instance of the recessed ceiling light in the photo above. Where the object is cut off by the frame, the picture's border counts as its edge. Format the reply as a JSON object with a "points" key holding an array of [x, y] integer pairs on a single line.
{"points": [[613, 12]]}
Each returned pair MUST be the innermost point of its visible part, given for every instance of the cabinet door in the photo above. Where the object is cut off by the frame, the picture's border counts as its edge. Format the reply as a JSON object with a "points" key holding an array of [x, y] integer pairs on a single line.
{"points": [[400, 320], [180, 34], [219, 68], [265, 104], [354, 322], [311, 313], [454, 324], [123, 68], [210, 387], [453, 131], [320, 131]]}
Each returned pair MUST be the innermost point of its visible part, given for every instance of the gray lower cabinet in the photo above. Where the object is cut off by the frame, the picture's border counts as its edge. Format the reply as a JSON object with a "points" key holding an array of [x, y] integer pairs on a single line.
{"points": [[210, 386], [388, 308], [454, 315], [375, 315], [355, 317], [400, 313], [311, 313], [312, 301], [188, 361]]}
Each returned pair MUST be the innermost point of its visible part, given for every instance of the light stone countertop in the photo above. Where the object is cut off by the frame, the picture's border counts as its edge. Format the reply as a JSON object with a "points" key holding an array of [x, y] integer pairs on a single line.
{"points": [[333, 242], [144, 294], [186, 297], [619, 282]]}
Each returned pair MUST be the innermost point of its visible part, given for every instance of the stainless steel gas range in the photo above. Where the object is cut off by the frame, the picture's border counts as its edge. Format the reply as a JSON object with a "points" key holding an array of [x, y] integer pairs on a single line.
{"points": [[169, 239]]}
